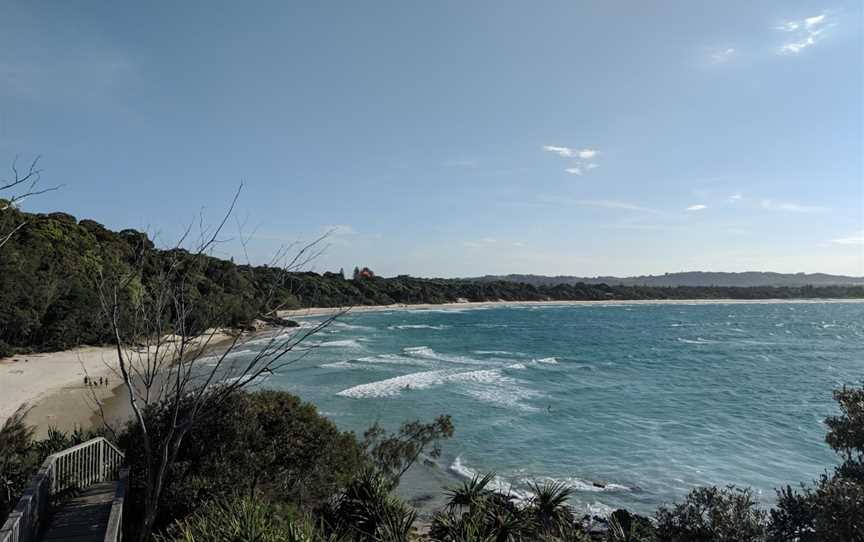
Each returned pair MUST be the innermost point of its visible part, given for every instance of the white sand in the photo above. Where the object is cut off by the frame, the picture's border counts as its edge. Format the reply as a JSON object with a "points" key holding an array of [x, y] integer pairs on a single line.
{"points": [[324, 311], [52, 385], [31, 378]]}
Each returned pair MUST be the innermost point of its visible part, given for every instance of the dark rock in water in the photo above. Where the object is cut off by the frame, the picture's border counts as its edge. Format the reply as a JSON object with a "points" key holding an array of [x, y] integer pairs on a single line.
{"points": [[279, 322], [598, 484]]}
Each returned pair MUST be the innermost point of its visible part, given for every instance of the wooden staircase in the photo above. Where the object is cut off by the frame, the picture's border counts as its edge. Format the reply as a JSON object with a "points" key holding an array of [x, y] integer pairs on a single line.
{"points": [[76, 496]]}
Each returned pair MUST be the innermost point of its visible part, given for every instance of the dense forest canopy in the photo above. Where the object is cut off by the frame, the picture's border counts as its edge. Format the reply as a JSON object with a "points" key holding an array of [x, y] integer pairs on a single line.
{"points": [[50, 273]]}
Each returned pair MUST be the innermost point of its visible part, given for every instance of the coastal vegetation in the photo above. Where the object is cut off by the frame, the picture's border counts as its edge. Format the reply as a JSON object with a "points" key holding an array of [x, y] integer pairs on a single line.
{"points": [[51, 272], [268, 467]]}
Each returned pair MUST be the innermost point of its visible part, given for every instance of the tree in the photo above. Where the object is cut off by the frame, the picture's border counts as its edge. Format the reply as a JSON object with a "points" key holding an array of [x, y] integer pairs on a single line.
{"points": [[394, 453], [712, 514], [13, 191], [17, 459], [267, 445], [162, 332], [832, 509]]}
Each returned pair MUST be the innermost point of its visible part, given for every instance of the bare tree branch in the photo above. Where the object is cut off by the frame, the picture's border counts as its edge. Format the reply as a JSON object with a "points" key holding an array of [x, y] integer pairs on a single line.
{"points": [[165, 341]]}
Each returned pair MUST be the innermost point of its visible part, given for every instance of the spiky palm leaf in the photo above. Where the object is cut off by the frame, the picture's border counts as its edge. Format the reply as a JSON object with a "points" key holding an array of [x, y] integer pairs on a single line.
{"points": [[470, 493], [548, 508]]}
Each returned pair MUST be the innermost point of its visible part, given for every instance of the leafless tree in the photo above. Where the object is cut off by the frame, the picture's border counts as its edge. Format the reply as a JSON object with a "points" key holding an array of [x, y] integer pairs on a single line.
{"points": [[14, 190], [166, 345]]}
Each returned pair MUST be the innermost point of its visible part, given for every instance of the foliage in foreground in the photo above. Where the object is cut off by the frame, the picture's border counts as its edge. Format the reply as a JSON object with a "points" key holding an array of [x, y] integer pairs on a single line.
{"points": [[267, 444], [242, 519], [21, 455], [831, 510], [270, 445]]}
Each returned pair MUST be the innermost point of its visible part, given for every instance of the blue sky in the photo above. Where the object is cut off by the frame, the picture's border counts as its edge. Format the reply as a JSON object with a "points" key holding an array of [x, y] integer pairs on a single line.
{"points": [[456, 138]]}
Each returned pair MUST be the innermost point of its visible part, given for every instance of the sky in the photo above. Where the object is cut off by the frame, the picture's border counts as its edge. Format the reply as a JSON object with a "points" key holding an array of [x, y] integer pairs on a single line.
{"points": [[454, 138]]}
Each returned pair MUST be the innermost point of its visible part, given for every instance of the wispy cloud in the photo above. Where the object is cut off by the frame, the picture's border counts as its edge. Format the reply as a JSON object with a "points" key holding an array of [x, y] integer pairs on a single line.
{"points": [[804, 33], [568, 152], [477, 243], [697, 207], [791, 207], [581, 157], [611, 204], [854, 239], [723, 55], [735, 197]]}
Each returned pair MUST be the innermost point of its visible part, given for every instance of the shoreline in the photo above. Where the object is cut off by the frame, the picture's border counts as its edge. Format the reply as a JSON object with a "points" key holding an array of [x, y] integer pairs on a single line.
{"points": [[51, 385], [325, 311]]}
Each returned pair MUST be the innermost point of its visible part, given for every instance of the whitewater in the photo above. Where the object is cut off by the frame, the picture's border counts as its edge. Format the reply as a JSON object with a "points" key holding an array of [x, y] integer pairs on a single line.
{"points": [[629, 405]]}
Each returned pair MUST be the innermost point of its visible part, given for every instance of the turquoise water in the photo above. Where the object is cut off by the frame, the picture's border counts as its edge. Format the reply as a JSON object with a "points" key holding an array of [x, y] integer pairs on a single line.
{"points": [[646, 401]]}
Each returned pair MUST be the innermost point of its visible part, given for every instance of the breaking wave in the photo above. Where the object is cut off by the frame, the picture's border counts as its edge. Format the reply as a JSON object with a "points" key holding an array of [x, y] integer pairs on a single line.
{"points": [[418, 381]]}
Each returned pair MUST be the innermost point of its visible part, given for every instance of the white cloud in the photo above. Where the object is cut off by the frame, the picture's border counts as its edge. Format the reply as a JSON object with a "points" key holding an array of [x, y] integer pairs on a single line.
{"points": [[735, 197], [724, 55], [772, 205], [804, 33], [566, 152], [611, 204], [697, 207], [855, 239], [518, 244], [477, 243], [580, 155], [810, 22]]}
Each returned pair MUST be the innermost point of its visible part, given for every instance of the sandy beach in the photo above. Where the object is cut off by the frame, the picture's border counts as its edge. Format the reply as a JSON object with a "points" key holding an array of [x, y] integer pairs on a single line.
{"points": [[52, 387], [52, 384], [325, 311]]}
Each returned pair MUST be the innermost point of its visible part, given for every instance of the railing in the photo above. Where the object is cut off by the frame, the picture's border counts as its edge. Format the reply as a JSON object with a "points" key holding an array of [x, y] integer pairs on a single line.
{"points": [[77, 467]]}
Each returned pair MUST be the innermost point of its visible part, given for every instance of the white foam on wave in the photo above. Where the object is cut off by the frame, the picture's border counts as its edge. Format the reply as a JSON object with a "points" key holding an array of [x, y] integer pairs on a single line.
{"points": [[698, 340], [596, 509], [418, 381], [425, 352], [341, 365], [347, 343], [345, 325], [547, 361], [518, 366], [396, 359], [418, 326]]}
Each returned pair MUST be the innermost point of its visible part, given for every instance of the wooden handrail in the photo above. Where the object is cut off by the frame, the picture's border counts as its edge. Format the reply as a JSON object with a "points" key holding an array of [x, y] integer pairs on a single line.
{"points": [[77, 467]]}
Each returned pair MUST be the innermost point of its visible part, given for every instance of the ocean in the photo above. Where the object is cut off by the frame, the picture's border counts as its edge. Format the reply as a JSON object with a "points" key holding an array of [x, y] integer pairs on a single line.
{"points": [[630, 405]]}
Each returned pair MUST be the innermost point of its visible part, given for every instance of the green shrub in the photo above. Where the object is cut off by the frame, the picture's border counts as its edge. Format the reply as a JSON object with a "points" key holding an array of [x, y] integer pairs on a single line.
{"points": [[366, 511], [241, 520], [265, 443], [832, 510], [711, 514], [18, 460]]}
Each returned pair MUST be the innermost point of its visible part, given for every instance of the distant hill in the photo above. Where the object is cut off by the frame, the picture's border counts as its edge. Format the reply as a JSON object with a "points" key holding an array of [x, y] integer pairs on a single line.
{"points": [[691, 278]]}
